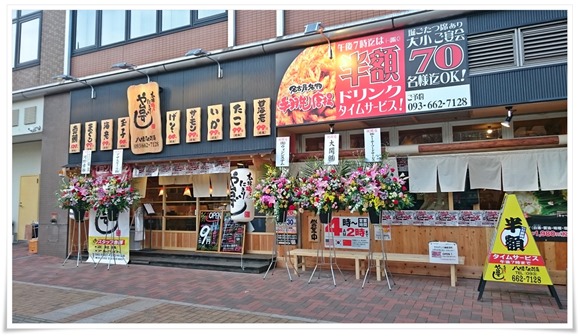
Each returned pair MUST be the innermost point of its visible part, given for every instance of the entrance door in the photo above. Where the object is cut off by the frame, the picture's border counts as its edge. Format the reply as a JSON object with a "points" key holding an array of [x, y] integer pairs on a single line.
{"points": [[28, 203]]}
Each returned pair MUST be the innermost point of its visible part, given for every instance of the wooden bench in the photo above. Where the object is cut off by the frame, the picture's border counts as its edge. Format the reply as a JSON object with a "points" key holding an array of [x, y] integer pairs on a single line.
{"points": [[299, 255]]}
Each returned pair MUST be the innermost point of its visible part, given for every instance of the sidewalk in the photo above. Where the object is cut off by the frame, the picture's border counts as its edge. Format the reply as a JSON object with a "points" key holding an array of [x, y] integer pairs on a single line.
{"points": [[47, 293]]}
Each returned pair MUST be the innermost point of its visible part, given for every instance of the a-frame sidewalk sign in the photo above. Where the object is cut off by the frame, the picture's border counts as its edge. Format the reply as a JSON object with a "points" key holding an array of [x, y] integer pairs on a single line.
{"points": [[513, 255]]}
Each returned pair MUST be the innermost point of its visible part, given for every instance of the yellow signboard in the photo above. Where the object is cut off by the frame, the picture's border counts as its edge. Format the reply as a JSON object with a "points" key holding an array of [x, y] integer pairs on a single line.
{"points": [[513, 255]]}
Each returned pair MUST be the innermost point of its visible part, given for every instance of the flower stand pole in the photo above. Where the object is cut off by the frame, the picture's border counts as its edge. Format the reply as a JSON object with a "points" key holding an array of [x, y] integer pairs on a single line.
{"points": [[79, 215], [375, 217], [325, 219], [282, 219], [112, 216]]}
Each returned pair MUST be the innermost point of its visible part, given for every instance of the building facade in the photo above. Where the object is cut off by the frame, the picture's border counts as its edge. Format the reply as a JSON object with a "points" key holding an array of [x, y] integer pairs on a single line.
{"points": [[485, 64]]}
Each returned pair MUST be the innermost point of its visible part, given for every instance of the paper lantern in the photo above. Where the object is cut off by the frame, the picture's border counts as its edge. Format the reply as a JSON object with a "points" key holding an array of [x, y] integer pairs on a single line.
{"points": [[241, 203]]}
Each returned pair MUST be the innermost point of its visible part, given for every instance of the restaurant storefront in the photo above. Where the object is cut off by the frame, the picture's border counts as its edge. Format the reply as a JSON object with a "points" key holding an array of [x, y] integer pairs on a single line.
{"points": [[418, 86]]}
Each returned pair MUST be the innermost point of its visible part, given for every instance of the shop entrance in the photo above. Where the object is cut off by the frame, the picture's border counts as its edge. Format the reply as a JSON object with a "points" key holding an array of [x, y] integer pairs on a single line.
{"points": [[174, 224]]}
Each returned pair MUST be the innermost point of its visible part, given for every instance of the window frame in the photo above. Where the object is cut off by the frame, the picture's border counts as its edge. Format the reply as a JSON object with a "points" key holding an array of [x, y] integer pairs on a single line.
{"points": [[17, 22], [193, 23]]}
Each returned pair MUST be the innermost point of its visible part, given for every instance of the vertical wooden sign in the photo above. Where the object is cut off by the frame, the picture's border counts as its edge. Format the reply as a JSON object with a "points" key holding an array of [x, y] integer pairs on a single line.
{"points": [[74, 142], [172, 127], [215, 122], [106, 134], [262, 117], [123, 133], [91, 135], [193, 125], [145, 118], [238, 120]]}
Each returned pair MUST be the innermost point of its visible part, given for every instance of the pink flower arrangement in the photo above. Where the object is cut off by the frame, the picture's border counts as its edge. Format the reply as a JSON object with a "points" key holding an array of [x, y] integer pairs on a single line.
{"points": [[375, 186], [113, 191], [276, 191], [323, 190], [76, 194]]}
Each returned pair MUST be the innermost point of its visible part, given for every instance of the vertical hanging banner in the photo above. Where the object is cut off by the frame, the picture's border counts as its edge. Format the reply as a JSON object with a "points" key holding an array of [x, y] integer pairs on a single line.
{"points": [[514, 255], [74, 138], [215, 122], [241, 203], [193, 125], [331, 148], [91, 135], [145, 118], [262, 117], [282, 151], [86, 162], [123, 133], [373, 145], [172, 127], [106, 134], [238, 120], [117, 162], [420, 69]]}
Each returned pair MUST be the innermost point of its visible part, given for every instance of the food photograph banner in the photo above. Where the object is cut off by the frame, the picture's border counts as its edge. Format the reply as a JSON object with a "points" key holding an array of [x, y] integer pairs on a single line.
{"points": [[420, 69]]}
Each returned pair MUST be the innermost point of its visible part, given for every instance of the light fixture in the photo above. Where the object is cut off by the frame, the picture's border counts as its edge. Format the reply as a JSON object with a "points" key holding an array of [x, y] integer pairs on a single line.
{"points": [[489, 130], [331, 128], [201, 52], [161, 192], [317, 27], [63, 78], [129, 66], [187, 192], [508, 119]]}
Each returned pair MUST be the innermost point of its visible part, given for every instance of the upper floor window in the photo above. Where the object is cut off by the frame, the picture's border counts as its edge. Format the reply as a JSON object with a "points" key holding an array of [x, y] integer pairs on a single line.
{"points": [[93, 29], [26, 37]]}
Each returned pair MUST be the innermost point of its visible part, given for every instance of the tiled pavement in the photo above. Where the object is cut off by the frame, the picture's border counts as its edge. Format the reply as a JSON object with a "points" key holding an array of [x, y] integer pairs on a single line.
{"points": [[46, 292]]}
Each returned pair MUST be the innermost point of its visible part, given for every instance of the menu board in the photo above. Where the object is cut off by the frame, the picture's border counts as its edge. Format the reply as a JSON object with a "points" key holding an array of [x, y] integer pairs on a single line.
{"points": [[233, 237], [287, 233], [209, 231]]}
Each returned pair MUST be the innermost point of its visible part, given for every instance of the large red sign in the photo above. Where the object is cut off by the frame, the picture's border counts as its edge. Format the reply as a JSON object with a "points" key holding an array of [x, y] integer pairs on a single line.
{"points": [[420, 69]]}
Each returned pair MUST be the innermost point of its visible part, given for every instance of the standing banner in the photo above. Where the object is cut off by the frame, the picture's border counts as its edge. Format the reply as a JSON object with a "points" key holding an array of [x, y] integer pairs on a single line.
{"points": [[348, 232], [145, 118], [513, 256], [108, 241]]}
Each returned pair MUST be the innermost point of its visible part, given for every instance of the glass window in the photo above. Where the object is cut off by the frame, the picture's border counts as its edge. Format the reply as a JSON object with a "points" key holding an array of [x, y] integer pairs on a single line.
{"points": [[26, 37], [171, 19], [420, 136], [540, 127], [143, 22], [113, 23], [358, 140], [201, 14], [477, 132], [85, 28], [314, 144]]}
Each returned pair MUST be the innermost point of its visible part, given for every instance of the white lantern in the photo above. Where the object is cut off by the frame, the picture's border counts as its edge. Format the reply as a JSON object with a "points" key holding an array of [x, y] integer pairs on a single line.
{"points": [[241, 203]]}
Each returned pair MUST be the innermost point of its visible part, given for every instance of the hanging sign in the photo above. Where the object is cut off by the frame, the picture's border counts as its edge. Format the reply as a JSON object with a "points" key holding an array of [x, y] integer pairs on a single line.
{"points": [[123, 133], [514, 255], [373, 145], [282, 151], [145, 118], [91, 135], [172, 127], [215, 123], [331, 148], [262, 117], [106, 134], [193, 125], [75, 138], [238, 120]]}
